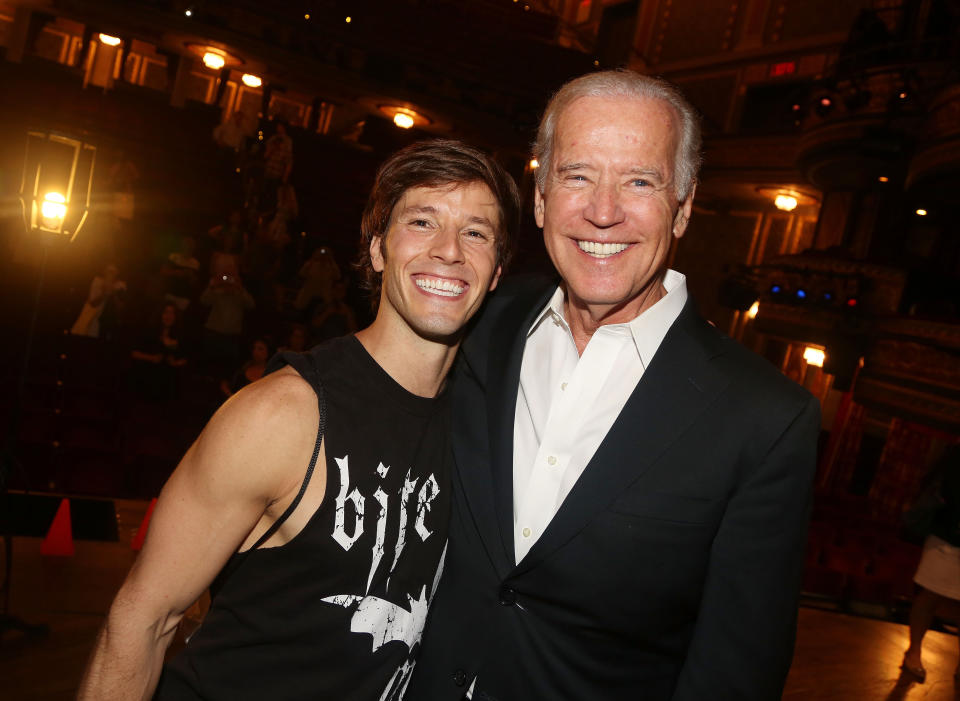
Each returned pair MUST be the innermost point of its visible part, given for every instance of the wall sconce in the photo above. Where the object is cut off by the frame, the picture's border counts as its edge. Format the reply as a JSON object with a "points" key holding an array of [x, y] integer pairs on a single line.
{"points": [[251, 81], [787, 197], [814, 356], [109, 40], [56, 184]]}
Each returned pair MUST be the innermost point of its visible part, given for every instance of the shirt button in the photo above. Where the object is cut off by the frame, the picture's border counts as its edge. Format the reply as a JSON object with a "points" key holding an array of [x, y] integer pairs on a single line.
{"points": [[459, 677], [563, 386], [508, 597], [552, 460], [526, 532]]}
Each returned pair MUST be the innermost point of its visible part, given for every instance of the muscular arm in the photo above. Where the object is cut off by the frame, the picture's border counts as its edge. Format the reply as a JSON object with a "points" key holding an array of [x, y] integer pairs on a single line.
{"points": [[743, 641], [252, 454]]}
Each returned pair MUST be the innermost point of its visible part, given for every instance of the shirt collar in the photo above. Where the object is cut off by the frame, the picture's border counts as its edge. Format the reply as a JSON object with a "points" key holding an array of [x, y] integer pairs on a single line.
{"points": [[648, 329]]}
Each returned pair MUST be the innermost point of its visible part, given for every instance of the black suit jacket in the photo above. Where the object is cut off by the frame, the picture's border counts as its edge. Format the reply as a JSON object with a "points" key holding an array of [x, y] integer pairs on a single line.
{"points": [[671, 570]]}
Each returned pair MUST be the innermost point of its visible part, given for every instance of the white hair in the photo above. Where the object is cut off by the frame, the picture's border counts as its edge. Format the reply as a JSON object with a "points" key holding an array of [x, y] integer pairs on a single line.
{"points": [[626, 83]]}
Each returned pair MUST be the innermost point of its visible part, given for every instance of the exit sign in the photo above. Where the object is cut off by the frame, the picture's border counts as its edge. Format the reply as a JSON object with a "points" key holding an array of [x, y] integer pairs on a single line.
{"points": [[785, 68]]}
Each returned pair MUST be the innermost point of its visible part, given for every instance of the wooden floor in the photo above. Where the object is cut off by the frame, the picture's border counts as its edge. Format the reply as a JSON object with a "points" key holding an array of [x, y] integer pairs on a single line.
{"points": [[838, 657]]}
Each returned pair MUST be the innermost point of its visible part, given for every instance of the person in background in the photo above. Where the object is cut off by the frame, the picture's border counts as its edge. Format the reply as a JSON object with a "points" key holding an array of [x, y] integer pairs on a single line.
{"points": [[297, 340], [228, 302], [252, 370], [180, 274], [334, 317], [319, 273], [228, 242], [158, 357], [104, 291], [938, 574]]}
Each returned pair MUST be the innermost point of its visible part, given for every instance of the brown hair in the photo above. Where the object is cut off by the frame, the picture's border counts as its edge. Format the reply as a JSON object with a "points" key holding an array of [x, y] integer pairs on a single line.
{"points": [[434, 164]]}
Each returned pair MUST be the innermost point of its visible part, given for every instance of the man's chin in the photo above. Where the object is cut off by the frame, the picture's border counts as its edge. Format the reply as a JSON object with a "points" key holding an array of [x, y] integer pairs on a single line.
{"points": [[446, 334]]}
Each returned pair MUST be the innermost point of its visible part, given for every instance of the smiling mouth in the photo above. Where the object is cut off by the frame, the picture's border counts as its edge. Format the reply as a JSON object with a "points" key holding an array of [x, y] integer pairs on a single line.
{"points": [[440, 286], [598, 249]]}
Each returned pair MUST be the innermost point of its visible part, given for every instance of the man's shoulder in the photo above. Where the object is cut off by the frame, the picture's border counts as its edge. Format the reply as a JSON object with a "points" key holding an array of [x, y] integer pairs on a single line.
{"points": [[749, 373], [275, 401]]}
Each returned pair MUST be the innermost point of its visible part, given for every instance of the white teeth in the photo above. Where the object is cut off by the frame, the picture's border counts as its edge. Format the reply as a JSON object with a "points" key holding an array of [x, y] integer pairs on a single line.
{"points": [[601, 250], [444, 288]]}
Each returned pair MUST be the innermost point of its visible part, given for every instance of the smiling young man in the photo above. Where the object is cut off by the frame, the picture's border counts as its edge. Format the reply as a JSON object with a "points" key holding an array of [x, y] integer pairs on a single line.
{"points": [[322, 556], [630, 510]]}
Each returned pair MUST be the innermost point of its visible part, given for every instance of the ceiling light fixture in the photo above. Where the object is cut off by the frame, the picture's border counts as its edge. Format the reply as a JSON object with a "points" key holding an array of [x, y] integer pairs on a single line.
{"points": [[785, 202], [403, 120], [214, 61]]}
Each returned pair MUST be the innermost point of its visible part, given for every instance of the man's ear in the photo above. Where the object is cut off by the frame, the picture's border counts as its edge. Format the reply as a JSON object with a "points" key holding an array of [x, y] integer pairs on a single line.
{"points": [[376, 253], [682, 217], [496, 279], [538, 206]]}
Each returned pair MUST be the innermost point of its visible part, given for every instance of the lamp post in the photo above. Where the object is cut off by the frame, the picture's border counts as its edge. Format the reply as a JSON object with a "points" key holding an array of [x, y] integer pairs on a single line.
{"points": [[54, 200]]}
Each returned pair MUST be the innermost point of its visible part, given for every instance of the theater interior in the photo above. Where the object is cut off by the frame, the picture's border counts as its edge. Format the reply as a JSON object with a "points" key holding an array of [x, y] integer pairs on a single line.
{"points": [[824, 237]]}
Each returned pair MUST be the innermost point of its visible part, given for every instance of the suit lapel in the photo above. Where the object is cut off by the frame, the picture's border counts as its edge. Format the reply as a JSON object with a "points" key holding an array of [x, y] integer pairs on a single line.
{"points": [[489, 487], [678, 385]]}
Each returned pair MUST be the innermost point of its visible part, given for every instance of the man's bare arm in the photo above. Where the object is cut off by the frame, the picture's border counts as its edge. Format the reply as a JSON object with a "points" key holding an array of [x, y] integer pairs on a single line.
{"points": [[251, 456]]}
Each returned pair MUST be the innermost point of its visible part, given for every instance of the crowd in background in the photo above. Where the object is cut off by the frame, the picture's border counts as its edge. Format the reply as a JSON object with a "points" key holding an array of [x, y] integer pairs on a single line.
{"points": [[219, 301]]}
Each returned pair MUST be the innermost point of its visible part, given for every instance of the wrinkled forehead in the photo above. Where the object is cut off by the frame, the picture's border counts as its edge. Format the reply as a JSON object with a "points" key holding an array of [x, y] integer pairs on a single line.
{"points": [[637, 117]]}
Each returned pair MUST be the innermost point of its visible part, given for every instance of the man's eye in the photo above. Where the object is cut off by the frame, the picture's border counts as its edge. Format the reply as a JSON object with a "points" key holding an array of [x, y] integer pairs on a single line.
{"points": [[473, 233], [419, 222], [640, 182]]}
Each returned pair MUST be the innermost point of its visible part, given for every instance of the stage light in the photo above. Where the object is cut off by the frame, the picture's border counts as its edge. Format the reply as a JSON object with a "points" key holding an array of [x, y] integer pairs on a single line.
{"points": [[251, 81], [348, 20], [189, 13], [534, 164], [307, 16], [754, 309], [786, 202], [214, 61], [814, 356], [775, 289], [883, 179], [801, 294], [109, 40], [921, 212], [403, 120], [852, 302]]}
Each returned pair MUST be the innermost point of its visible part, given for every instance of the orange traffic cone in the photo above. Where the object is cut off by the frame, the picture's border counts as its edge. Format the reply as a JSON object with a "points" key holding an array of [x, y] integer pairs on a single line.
{"points": [[141, 535], [59, 540]]}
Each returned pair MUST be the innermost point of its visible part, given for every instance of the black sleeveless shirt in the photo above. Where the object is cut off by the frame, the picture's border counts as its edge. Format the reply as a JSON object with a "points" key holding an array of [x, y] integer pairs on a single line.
{"points": [[337, 612]]}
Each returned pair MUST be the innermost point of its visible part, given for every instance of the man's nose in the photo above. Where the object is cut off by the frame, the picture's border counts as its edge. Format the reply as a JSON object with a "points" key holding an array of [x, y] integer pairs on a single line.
{"points": [[446, 246], [603, 209]]}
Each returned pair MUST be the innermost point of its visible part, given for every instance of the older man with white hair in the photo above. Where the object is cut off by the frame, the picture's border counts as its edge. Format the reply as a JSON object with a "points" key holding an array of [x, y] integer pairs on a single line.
{"points": [[632, 487]]}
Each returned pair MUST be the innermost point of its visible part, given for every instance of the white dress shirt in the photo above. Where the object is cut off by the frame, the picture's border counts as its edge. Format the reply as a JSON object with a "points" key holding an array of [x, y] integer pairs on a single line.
{"points": [[567, 403]]}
